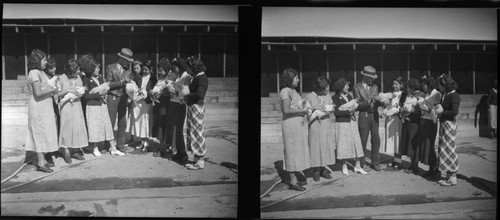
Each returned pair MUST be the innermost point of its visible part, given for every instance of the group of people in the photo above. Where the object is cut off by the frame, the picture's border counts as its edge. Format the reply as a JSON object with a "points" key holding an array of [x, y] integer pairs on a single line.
{"points": [[413, 111], [78, 108]]}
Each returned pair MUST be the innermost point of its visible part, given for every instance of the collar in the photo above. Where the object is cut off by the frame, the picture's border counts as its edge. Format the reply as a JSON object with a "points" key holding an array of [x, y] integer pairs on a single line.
{"points": [[495, 90], [452, 91], [119, 66], [201, 73], [364, 84]]}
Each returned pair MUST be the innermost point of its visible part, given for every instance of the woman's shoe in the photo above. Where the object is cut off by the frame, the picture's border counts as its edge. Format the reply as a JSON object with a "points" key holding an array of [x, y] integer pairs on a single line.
{"points": [[116, 152], [448, 182], [345, 171], [360, 170], [316, 176], [44, 169], [144, 148], [96, 152], [199, 165], [326, 175], [67, 158], [78, 157], [302, 183], [297, 187], [50, 164]]}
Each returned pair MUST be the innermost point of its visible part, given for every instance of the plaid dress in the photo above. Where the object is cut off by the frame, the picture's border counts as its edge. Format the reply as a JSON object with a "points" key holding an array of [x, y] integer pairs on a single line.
{"points": [[447, 154]]}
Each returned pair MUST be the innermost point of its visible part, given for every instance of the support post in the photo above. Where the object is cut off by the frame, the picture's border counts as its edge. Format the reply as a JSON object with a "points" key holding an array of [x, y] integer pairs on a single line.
{"points": [[474, 73], [224, 59], [382, 72], [278, 72], [102, 57], [76, 46], [157, 53], [428, 64], [408, 64], [48, 45], [199, 46], [25, 57], [449, 64], [355, 77], [327, 65], [300, 71], [178, 46]]}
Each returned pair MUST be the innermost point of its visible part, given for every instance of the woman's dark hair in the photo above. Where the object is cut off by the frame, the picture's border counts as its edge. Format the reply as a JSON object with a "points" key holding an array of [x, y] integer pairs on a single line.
{"points": [[448, 82], [320, 84], [413, 84], [430, 82], [71, 67], [399, 79], [87, 65], [181, 64], [286, 78], [339, 85], [196, 65], [165, 64], [35, 59], [148, 64], [51, 64]]}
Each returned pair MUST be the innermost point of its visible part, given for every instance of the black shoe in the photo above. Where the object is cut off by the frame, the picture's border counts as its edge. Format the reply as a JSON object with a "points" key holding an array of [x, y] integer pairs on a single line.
{"points": [[157, 154], [297, 187], [411, 170], [429, 173], [44, 169], [375, 167], [50, 164], [316, 176], [67, 158], [326, 175], [180, 159], [78, 157], [302, 183]]}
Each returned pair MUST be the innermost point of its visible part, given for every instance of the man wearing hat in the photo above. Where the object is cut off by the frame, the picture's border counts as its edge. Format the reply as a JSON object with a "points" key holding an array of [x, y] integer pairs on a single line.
{"points": [[367, 94], [117, 75]]}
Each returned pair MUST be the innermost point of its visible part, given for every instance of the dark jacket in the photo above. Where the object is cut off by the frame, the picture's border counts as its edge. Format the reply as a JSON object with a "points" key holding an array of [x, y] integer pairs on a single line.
{"points": [[92, 99], [152, 82], [114, 77], [198, 89], [451, 104], [341, 116]]}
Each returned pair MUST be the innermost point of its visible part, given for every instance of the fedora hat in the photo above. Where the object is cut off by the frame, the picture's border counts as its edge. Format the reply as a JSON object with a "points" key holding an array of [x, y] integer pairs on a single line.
{"points": [[369, 71], [127, 54]]}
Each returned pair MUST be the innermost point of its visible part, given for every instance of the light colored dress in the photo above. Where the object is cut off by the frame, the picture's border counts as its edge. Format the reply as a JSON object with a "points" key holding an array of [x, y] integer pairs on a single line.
{"points": [[42, 128], [347, 133], [294, 132], [393, 125], [73, 130], [141, 113], [321, 134]]}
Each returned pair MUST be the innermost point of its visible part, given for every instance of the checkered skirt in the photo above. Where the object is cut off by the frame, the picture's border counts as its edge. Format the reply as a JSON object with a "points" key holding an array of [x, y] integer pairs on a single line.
{"points": [[195, 140], [447, 154]]}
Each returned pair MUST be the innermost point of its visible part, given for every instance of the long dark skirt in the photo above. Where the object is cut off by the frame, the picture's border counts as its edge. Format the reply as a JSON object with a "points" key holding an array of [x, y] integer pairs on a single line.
{"points": [[428, 133], [160, 130], [410, 137], [175, 124]]}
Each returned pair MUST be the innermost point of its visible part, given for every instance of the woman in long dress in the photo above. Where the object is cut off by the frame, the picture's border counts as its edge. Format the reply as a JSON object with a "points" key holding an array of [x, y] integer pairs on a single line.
{"points": [[428, 126], [321, 136], [410, 138], [140, 111], [136, 77], [347, 133], [42, 129], [294, 128], [161, 98], [73, 134], [178, 87], [393, 122], [195, 101], [447, 112]]}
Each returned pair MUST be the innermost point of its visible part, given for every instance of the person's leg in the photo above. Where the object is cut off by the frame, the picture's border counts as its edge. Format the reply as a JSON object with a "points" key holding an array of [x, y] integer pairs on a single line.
{"points": [[375, 141], [358, 168], [345, 171], [40, 163], [113, 110], [363, 133], [181, 156], [197, 137], [122, 123], [95, 149], [294, 182]]}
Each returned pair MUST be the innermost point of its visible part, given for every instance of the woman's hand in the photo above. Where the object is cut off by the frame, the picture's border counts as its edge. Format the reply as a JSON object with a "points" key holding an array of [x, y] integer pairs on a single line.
{"points": [[439, 109]]}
